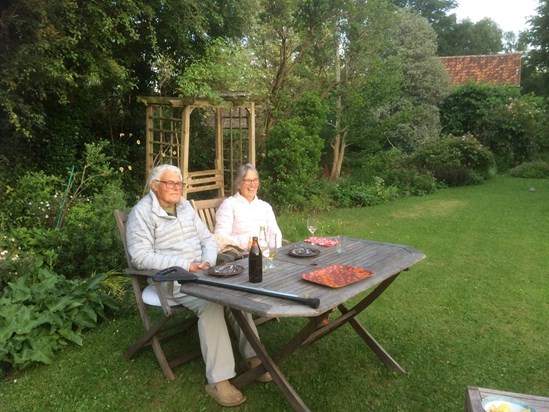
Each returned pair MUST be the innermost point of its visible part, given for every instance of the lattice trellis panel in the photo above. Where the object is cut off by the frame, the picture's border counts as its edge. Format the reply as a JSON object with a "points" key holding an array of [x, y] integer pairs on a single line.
{"points": [[164, 135], [168, 138]]}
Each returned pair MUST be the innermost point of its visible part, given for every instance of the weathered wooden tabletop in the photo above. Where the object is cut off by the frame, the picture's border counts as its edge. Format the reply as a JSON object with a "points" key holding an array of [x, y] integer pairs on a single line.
{"points": [[384, 259]]}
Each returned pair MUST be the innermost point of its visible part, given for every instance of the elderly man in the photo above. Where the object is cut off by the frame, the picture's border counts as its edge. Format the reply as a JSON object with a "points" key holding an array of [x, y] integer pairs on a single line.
{"points": [[163, 230]]}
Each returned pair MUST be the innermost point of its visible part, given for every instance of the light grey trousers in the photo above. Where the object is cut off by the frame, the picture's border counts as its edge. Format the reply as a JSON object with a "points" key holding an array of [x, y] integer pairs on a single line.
{"points": [[215, 342]]}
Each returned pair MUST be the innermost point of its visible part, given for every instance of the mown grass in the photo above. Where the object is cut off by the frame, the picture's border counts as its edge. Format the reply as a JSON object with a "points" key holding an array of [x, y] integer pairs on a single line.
{"points": [[475, 312]]}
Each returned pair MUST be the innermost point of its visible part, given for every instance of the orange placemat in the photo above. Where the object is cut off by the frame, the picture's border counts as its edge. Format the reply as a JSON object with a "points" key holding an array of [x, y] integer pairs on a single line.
{"points": [[336, 276]]}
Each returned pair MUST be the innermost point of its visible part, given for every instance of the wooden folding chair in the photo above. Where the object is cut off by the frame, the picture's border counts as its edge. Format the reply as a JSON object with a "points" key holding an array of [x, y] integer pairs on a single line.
{"points": [[149, 296], [206, 210]]}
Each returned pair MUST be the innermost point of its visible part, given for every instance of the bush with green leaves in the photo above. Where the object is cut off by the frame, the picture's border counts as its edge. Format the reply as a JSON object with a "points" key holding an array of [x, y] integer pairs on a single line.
{"points": [[41, 311], [349, 193], [464, 109], [73, 219], [290, 169], [537, 169], [516, 131], [455, 161], [88, 240], [396, 170], [34, 201], [512, 126]]}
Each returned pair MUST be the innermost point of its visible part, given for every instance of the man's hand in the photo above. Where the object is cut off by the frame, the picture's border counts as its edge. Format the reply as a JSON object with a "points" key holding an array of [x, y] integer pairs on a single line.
{"points": [[204, 266], [199, 267]]}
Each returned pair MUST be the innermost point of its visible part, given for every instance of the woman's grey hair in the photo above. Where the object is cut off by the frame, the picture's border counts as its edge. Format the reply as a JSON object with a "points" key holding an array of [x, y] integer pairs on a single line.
{"points": [[242, 171], [157, 172]]}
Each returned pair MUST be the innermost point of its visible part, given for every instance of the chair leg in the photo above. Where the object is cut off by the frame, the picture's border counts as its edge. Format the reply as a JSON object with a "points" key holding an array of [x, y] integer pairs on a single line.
{"points": [[161, 358], [152, 337], [145, 339]]}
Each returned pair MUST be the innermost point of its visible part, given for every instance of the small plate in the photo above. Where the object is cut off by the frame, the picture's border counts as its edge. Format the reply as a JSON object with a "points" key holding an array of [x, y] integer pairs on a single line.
{"points": [[226, 270], [505, 404], [304, 252]]}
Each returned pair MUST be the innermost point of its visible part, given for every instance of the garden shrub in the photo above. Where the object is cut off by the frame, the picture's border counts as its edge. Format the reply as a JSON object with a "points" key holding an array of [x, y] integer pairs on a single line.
{"points": [[89, 241], [516, 131], [463, 110], [34, 201], [396, 170], [455, 160], [349, 193], [537, 169], [512, 126], [290, 168]]}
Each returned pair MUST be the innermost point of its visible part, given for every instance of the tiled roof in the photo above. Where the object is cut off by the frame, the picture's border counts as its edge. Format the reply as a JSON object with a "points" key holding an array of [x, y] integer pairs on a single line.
{"points": [[498, 69]]}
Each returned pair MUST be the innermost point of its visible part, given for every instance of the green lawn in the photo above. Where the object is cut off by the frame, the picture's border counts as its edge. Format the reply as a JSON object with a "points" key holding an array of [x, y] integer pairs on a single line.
{"points": [[475, 312]]}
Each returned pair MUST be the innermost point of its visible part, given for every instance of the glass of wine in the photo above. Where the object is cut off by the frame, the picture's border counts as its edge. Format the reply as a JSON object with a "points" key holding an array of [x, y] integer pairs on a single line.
{"points": [[273, 250], [312, 226], [263, 243]]}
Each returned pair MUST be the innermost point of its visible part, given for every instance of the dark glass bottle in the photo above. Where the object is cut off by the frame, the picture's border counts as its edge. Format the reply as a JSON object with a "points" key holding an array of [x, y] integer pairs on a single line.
{"points": [[255, 262]]}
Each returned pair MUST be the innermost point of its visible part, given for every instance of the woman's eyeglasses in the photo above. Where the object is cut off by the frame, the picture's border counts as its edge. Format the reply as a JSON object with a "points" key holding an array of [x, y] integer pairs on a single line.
{"points": [[248, 181], [172, 185]]}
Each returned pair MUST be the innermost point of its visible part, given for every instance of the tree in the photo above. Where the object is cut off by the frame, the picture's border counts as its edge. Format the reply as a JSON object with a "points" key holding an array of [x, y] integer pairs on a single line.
{"points": [[394, 104], [70, 70], [536, 70], [435, 11], [457, 38], [468, 38], [290, 43]]}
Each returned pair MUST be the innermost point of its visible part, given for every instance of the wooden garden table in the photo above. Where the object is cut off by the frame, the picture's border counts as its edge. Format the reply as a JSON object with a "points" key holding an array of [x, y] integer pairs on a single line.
{"points": [[386, 260]]}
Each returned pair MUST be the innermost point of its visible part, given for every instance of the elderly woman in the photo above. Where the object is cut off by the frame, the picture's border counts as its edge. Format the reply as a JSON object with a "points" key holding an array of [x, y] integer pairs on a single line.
{"points": [[163, 230], [240, 216]]}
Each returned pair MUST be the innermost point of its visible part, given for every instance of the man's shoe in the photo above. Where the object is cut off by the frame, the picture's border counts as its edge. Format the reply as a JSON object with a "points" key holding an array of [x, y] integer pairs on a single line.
{"points": [[225, 394], [252, 363]]}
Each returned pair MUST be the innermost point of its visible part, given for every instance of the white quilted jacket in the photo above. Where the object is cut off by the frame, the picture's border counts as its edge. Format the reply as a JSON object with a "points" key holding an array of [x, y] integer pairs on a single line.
{"points": [[157, 241]]}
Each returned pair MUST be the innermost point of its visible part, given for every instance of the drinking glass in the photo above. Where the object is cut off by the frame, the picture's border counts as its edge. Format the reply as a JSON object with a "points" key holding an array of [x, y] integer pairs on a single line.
{"points": [[312, 226], [273, 250]]}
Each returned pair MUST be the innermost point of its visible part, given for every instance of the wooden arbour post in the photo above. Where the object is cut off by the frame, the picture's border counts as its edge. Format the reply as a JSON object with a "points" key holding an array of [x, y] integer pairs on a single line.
{"points": [[168, 131]]}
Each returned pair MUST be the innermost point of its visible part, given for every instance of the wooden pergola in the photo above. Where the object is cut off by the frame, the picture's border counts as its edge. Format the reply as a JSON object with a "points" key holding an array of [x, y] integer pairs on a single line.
{"points": [[168, 134]]}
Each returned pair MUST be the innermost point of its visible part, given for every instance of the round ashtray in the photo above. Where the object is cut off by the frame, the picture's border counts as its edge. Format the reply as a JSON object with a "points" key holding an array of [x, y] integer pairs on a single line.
{"points": [[303, 252], [226, 270]]}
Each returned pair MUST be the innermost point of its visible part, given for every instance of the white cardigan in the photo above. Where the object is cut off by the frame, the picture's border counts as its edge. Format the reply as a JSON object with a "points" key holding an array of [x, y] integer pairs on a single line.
{"points": [[238, 220]]}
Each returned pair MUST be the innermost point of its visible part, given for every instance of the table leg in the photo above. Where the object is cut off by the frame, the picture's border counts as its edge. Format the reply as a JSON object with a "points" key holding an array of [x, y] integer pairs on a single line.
{"points": [[267, 363], [381, 353], [349, 316]]}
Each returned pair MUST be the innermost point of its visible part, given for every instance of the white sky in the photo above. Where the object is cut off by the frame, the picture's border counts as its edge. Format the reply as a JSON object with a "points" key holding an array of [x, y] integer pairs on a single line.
{"points": [[510, 15]]}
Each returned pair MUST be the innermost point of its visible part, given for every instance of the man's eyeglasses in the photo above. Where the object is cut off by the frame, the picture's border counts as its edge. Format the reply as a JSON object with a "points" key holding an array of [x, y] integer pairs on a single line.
{"points": [[172, 185], [248, 181]]}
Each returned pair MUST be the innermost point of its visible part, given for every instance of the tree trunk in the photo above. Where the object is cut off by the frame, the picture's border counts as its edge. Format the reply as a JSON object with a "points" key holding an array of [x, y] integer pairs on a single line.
{"points": [[339, 143]]}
